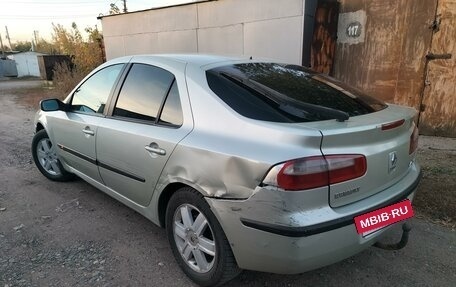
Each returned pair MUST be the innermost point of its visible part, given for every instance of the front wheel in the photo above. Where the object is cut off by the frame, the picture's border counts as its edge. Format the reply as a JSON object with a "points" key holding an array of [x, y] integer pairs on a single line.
{"points": [[197, 239], [45, 157]]}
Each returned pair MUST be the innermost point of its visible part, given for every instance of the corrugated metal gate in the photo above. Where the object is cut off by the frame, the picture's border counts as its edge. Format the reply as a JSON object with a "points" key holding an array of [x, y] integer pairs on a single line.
{"points": [[402, 52], [7, 68]]}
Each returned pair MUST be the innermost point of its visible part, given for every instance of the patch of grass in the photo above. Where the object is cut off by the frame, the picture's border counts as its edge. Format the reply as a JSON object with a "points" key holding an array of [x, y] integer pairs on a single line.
{"points": [[31, 97]]}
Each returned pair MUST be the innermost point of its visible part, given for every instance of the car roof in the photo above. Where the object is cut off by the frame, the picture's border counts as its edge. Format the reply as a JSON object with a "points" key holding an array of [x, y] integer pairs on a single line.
{"points": [[199, 60], [203, 59]]}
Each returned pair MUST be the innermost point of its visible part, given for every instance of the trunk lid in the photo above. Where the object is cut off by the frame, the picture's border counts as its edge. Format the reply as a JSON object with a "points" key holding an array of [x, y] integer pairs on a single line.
{"points": [[386, 151]]}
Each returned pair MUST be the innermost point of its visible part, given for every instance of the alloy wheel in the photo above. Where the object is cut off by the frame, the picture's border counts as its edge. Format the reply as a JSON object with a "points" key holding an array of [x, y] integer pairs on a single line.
{"points": [[194, 238], [47, 157]]}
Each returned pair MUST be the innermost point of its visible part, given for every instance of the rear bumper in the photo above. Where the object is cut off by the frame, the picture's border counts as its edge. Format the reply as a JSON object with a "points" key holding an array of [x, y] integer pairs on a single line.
{"points": [[328, 225], [311, 239]]}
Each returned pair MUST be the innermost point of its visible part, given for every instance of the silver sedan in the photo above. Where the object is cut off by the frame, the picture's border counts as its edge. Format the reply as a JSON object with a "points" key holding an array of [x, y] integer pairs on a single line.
{"points": [[248, 164]]}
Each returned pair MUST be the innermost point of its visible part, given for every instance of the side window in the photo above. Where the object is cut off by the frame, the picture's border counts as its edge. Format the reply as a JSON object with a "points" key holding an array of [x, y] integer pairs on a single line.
{"points": [[143, 92], [92, 95], [172, 110]]}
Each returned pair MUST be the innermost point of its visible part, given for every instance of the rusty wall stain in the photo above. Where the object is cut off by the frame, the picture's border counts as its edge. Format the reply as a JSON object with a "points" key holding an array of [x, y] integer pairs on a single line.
{"points": [[390, 63], [416, 39], [439, 99]]}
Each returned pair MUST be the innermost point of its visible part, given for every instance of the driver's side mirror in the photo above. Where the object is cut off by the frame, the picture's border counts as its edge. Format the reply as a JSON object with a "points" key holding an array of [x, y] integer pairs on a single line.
{"points": [[52, 105]]}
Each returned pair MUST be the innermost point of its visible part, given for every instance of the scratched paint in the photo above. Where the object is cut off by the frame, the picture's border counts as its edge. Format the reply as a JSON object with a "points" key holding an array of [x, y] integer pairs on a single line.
{"points": [[390, 63]]}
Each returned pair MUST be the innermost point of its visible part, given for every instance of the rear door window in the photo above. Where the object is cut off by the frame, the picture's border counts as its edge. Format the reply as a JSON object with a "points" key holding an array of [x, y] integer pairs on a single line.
{"points": [[143, 93], [150, 94], [286, 93]]}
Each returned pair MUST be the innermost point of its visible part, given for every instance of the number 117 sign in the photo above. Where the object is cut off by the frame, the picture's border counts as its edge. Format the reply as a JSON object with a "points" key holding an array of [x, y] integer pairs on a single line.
{"points": [[354, 29]]}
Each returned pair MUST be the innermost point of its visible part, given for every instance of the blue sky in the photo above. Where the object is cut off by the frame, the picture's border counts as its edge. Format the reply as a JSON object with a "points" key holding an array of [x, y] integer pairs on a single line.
{"points": [[24, 16]]}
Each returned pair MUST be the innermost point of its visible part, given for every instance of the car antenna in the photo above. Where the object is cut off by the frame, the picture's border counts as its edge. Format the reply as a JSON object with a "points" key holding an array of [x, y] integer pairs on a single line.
{"points": [[251, 58]]}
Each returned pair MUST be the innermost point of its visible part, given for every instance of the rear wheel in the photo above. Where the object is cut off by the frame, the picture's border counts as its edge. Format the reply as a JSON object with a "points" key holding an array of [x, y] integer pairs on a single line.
{"points": [[197, 239], [45, 156]]}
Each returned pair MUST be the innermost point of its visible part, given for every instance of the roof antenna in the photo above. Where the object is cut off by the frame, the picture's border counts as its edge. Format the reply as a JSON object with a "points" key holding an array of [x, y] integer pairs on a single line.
{"points": [[251, 58]]}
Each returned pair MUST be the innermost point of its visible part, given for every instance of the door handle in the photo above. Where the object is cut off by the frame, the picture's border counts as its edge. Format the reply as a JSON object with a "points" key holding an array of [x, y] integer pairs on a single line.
{"points": [[154, 148], [88, 131]]}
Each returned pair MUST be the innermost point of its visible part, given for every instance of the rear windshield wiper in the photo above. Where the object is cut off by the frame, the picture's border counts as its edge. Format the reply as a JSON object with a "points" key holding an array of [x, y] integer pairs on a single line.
{"points": [[288, 104]]}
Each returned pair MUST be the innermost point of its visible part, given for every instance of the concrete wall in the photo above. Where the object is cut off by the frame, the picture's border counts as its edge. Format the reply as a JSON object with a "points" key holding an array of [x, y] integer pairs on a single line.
{"points": [[262, 28]]}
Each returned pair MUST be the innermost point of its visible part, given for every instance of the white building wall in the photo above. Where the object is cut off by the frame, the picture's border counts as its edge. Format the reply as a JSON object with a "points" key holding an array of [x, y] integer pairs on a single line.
{"points": [[223, 40], [280, 37], [260, 28], [26, 64]]}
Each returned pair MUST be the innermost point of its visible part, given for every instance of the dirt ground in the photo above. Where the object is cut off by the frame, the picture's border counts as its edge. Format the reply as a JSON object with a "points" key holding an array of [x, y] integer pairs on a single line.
{"points": [[436, 199], [70, 234]]}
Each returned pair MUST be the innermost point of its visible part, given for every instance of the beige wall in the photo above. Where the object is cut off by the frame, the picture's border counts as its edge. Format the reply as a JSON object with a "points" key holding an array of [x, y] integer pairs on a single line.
{"points": [[263, 28]]}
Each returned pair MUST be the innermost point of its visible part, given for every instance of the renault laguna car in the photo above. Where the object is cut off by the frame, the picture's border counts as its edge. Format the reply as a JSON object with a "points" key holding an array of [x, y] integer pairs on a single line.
{"points": [[247, 163]]}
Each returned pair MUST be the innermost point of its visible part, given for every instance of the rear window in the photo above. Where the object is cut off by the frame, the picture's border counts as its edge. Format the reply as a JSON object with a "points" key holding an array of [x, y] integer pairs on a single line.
{"points": [[287, 93]]}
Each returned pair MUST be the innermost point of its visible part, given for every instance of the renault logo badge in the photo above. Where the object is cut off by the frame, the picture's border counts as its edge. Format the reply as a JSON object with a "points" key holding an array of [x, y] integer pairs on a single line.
{"points": [[392, 163]]}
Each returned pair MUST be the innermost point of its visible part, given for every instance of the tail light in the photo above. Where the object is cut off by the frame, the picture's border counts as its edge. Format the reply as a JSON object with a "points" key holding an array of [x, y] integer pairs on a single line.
{"points": [[414, 141], [316, 171]]}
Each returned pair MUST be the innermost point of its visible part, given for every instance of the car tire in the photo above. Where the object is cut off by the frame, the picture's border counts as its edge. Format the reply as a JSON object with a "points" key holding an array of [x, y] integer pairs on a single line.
{"points": [[198, 241], [45, 157]]}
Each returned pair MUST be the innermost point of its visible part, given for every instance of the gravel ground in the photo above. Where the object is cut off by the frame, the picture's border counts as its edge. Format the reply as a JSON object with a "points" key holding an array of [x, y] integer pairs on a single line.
{"points": [[70, 234]]}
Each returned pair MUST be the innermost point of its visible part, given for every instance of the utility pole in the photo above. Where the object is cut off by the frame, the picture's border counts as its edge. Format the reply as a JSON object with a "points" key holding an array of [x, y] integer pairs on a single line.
{"points": [[35, 40], [35, 35], [1, 44], [125, 6], [8, 37]]}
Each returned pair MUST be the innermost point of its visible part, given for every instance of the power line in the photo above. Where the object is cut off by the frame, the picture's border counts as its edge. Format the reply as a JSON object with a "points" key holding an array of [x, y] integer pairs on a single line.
{"points": [[67, 5], [60, 3], [48, 16]]}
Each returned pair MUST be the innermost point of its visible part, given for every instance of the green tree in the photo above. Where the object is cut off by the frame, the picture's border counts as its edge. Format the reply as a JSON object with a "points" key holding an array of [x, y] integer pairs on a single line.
{"points": [[22, 46], [86, 53], [45, 47]]}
